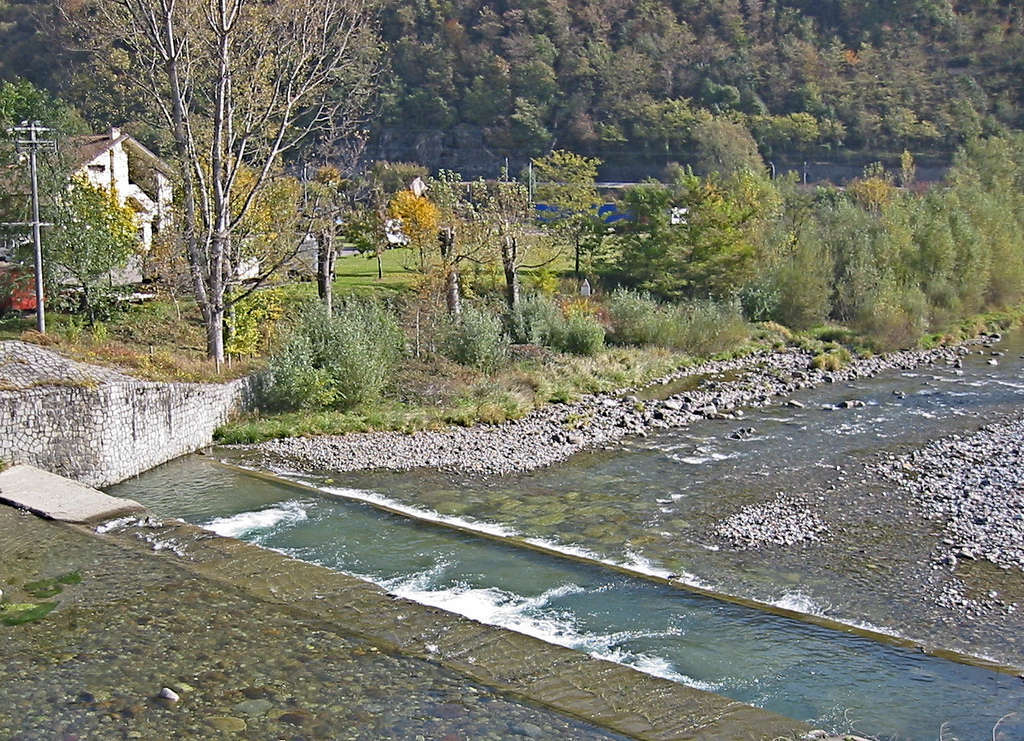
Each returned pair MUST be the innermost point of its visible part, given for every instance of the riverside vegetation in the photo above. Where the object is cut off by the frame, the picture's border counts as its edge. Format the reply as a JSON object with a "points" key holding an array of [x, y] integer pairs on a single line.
{"points": [[480, 318], [757, 263]]}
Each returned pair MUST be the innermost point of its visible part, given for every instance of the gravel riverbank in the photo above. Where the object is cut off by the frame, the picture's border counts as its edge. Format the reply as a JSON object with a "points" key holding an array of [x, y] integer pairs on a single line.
{"points": [[557, 431], [974, 486]]}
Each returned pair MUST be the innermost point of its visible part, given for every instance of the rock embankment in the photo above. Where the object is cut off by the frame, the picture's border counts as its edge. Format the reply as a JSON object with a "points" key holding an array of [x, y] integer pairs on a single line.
{"points": [[557, 431]]}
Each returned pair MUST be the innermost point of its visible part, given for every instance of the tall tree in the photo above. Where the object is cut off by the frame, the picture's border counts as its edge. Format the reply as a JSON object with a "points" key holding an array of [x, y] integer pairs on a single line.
{"points": [[566, 182], [239, 84]]}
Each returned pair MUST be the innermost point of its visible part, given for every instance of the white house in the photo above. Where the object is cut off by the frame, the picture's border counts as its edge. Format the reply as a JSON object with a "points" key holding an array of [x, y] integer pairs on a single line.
{"points": [[141, 180]]}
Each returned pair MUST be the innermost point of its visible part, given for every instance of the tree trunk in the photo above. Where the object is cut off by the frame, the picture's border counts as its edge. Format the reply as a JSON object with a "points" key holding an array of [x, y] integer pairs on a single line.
{"points": [[452, 292], [509, 253], [215, 335], [325, 268], [446, 240]]}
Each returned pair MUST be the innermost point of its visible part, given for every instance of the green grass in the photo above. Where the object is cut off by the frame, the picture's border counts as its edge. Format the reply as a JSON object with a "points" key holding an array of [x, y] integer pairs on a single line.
{"points": [[358, 274], [160, 340]]}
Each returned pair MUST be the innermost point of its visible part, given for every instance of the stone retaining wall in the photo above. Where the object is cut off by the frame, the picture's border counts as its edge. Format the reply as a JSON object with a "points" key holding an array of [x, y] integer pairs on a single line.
{"points": [[99, 426]]}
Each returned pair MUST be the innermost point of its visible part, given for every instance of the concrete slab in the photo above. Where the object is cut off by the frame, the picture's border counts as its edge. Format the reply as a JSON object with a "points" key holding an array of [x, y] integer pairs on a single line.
{"points": [[58, 498]]}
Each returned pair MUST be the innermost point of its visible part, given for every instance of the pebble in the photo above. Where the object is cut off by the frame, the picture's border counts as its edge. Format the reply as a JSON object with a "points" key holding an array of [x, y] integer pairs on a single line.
{"points": [[974, 484], [253, 707], [168, 694], [785, 520], [226, 723]]}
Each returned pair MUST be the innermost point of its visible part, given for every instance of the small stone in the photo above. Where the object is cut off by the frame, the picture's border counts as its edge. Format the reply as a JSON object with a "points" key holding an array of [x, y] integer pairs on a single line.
{"points": [[529, 730], [258, 706], [168, 694], [296, 717], [226, 723]]}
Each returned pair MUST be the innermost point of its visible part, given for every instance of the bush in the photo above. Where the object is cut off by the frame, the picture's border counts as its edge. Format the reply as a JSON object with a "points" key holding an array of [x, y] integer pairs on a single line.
{"points": [[583, 335], [635, 318], [896, 319], [337, 361], [538, 321], [706, 327], [476, 339], [698, 327]]}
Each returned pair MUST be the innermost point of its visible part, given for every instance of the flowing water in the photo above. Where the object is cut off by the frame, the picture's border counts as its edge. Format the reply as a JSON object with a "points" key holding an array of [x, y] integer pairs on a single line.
{"points": [[654, 502], [836, 680]]}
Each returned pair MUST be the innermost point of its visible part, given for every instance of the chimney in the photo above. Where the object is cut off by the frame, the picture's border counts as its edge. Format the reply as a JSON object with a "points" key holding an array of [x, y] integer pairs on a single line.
{"points": [[115, 133]]}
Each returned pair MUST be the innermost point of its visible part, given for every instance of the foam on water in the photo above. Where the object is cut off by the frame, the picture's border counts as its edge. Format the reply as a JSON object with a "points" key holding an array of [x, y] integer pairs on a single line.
{"points": [[699, 460], [799, 602], [120, 522], [372, 497], [247, 523], [535, 616]]}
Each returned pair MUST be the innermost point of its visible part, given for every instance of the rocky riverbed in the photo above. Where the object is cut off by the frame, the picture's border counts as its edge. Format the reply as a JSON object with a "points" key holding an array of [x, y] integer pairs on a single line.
{"points": [[785, 520], [973, 486], [557, 431]]}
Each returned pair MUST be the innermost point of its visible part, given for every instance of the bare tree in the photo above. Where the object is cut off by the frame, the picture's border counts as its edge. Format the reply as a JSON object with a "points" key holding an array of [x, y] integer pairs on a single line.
{"points": [[238, 84]]}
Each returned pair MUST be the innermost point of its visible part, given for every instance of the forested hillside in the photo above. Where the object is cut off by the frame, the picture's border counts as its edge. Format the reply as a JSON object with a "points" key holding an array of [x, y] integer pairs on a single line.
{"points": [[634, 79], [470, 82]]}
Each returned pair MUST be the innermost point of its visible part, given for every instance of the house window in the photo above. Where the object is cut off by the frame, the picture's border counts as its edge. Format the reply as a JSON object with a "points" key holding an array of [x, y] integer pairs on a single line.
{"points": [[97, 168]]}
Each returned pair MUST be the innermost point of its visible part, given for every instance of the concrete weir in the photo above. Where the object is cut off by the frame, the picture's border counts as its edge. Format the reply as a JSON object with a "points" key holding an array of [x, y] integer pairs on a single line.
{"points": [[160, 592], [57, 498]]}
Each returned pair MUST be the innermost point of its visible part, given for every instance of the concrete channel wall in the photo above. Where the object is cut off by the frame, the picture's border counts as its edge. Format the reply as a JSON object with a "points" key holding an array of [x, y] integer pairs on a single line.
{"points": [[99, 426]]}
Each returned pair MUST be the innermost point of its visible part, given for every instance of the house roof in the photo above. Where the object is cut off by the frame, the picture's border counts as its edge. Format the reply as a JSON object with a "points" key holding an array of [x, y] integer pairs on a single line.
{"points": [[83, 149]]}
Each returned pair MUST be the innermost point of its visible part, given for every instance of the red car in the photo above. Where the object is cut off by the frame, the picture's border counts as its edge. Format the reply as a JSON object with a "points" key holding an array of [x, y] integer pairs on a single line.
{"points": [[17, 289]]}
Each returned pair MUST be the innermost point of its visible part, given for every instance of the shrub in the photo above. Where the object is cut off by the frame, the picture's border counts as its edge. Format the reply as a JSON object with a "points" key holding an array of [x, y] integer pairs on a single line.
{"points": [[699, 327], [476, 339], [583, 335], [760, 299], [634, 317], [705, 327], [337, 361], [896, 319], [538, 321]]}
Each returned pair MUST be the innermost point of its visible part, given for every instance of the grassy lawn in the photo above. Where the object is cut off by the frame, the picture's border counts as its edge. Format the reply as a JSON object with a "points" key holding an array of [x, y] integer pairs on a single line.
{"points": [[358, 274]]}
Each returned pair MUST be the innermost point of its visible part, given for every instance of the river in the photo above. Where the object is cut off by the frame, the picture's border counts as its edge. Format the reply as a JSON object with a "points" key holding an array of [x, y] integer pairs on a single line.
{"points": [[653, 504]]}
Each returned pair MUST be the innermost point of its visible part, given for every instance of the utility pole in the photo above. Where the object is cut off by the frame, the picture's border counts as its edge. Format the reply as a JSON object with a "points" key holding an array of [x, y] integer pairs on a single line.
{"points": [[32, 145]]}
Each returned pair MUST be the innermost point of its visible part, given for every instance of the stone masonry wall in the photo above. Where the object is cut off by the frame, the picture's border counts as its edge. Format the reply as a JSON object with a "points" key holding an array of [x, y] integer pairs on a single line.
{"points": [[99, 426]]}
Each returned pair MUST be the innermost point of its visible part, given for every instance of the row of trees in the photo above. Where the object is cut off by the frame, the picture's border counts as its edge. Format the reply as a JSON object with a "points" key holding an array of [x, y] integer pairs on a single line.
{"points": [[688, 264], [879, 255], [889, 258]]}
